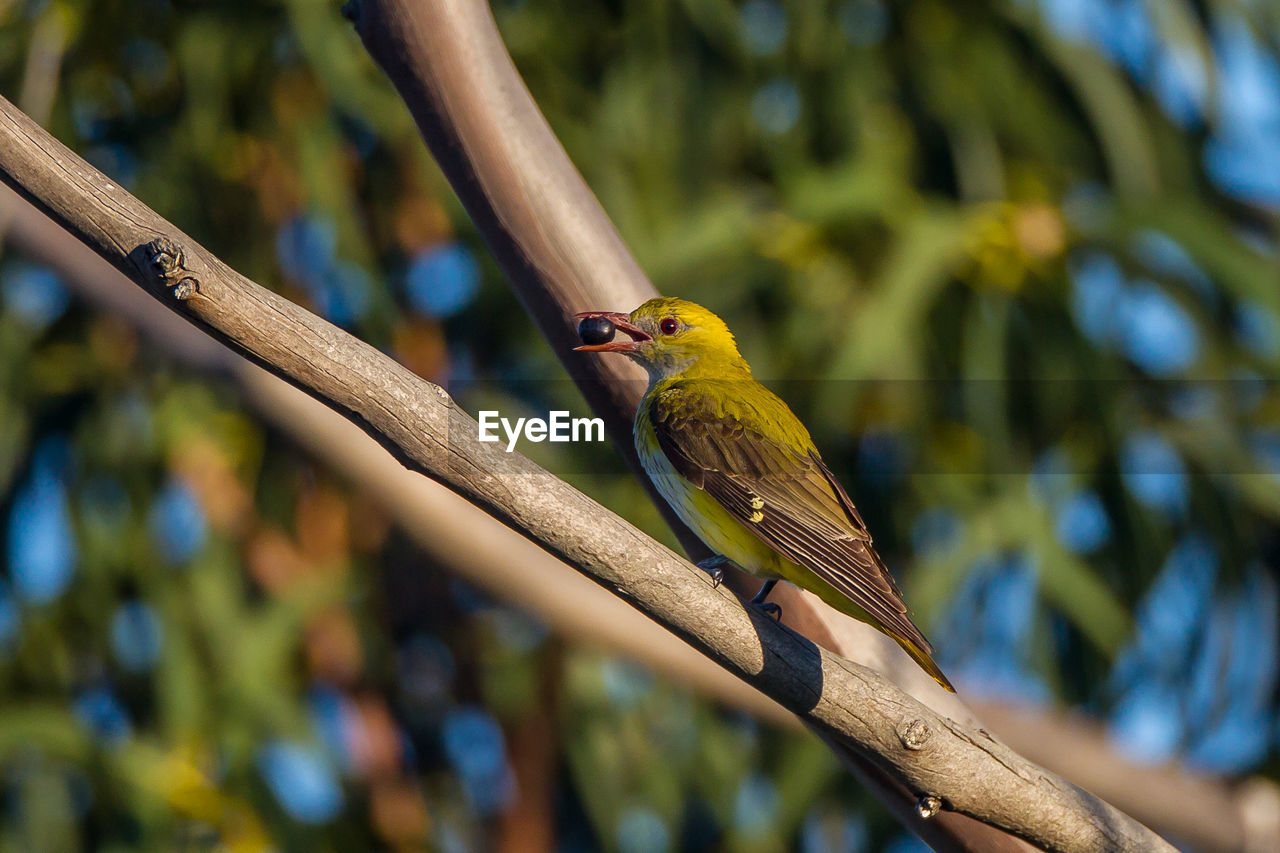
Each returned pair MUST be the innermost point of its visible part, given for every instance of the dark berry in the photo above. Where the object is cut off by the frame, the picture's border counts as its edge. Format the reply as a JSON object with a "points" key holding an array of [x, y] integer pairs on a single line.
{"points": [[596, 330]]}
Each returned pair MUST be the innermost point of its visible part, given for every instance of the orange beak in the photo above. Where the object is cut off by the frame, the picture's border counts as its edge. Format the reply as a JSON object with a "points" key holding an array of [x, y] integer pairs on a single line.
{"points": [[622, 323]]}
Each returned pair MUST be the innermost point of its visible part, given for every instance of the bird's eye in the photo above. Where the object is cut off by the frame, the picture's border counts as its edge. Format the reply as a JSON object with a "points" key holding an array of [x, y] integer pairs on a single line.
{"points": [[669, 326]]}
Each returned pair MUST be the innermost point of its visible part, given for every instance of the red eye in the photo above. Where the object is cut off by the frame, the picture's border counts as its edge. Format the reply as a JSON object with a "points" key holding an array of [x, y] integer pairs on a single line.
{"points": [[669, 326]]}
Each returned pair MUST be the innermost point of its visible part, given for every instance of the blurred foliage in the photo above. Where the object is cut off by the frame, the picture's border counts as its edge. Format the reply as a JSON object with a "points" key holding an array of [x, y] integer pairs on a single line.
{"points": [[1014, 262]]}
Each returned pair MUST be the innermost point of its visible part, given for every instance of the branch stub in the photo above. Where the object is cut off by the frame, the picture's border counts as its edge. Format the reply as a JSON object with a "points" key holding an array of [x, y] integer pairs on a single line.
{"points": [[914, 733], [928, 806]]}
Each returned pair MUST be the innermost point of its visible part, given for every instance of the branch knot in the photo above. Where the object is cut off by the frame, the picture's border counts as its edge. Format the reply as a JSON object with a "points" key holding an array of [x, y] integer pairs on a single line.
{"points": [[914, 733], [170, 266]]}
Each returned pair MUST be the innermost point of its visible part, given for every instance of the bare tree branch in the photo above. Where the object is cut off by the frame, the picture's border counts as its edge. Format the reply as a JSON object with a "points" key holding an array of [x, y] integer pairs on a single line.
{"points": [[536, 214], [447, 528], [944, 763], [1210, 815], [1215, 817]]}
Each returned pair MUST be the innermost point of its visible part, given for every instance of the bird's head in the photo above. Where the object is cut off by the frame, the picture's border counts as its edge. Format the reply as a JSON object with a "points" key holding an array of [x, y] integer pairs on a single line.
{"points": [[669, 337]]}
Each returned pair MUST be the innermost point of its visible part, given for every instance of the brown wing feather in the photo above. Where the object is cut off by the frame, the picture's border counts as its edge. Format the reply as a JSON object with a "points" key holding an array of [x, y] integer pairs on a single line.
{"points": [[803, 513]]}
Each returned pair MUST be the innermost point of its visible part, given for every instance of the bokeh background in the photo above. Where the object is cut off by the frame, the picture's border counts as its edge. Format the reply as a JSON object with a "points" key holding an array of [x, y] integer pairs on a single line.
{"points": [[1013, 262]]}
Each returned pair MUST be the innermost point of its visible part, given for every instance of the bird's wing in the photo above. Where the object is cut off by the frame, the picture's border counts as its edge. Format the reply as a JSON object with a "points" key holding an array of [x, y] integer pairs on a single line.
{"points": [[785, 494]]}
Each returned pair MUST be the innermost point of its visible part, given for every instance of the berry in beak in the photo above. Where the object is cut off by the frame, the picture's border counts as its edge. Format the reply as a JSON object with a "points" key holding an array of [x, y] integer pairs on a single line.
{"points": [[597, 328]]}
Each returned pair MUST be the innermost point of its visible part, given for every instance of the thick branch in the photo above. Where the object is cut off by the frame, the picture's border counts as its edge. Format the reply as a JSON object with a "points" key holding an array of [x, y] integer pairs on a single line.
{"points": [[1209, 814], [1201, 810], [966, 769], [1213, 816], [536, 214], [451, 531]]}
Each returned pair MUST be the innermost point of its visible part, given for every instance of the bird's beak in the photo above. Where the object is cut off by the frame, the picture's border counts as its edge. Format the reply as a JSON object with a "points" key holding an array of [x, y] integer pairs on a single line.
{"points": [[622, 323]]}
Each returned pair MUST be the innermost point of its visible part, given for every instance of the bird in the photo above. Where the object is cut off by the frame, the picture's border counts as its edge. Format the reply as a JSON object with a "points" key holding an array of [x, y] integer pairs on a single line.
{"points": [[742, 472]]}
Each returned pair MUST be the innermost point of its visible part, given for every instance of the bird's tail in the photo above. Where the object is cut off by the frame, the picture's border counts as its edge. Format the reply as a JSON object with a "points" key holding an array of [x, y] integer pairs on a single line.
{"points": [[920, 654], [916, 646]]}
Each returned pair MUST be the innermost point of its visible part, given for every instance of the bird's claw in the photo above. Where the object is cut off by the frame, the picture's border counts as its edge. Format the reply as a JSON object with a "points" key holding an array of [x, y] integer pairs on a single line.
{"points": [[714, 566], [768, 608]]}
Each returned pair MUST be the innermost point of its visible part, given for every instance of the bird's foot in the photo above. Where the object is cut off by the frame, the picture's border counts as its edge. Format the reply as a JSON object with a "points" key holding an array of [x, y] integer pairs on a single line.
{"points": [[765, 606], [715, 566], [768, 608]]}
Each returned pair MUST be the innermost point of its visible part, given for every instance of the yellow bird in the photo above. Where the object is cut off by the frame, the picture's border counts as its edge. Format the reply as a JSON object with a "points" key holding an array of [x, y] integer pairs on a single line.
{"points": [[742, 472]]}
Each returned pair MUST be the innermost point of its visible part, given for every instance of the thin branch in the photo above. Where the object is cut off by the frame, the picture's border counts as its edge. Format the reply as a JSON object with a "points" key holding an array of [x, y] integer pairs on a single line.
{"points": [[942, 762]]}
